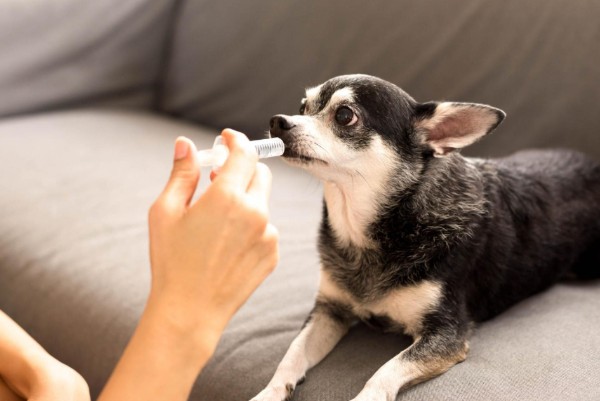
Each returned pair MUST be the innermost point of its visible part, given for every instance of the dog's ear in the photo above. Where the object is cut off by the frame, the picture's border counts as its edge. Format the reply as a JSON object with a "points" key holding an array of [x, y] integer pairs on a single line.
{"points": [[448, 126]]}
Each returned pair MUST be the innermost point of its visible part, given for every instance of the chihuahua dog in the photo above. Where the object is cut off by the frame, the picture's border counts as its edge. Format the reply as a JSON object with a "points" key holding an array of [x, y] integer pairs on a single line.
{"points": [[416, 238]]}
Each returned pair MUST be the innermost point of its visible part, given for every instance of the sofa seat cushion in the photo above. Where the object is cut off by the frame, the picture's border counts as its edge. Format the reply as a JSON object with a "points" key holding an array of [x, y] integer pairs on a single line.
{"points": [[75, 190], [74, 270]]}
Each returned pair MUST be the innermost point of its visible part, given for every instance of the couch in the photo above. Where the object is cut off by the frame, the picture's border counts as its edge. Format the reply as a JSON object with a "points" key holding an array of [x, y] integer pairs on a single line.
{"points": [[93, 94]]}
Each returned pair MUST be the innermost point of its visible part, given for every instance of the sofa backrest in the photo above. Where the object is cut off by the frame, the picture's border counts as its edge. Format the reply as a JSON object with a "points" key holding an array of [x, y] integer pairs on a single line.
{"points": [[236, 63], [60, 53]]}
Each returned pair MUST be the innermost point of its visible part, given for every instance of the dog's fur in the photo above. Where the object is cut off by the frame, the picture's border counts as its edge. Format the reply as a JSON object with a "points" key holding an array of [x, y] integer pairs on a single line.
{"points": [[416, 238]]}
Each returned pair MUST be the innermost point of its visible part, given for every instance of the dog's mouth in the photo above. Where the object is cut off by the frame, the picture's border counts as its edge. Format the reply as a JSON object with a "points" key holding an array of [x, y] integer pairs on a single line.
{"points": [[299, 157], [293, 154]]}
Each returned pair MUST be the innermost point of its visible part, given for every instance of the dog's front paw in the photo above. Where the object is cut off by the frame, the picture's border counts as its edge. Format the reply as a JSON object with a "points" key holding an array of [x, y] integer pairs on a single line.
{"points": [[283, 393], [371, 394]]}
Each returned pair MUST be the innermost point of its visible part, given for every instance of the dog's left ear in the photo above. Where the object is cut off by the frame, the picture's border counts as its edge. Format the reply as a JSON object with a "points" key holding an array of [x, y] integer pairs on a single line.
{"points": [[448, 126]]}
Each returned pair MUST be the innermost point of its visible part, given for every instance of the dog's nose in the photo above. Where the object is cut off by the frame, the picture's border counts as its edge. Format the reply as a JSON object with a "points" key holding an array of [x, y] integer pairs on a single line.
{"points": [[279, 124]]}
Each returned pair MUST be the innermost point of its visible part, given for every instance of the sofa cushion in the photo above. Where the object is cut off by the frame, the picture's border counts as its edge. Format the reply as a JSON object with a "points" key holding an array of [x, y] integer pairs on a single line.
{"points": [[74, 271], [75, 190], [70, 52], [238, 63]]}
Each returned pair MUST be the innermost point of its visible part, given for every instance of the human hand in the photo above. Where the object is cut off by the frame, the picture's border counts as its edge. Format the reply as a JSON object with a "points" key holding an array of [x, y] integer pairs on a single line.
{"points": [[209, 256], [59, 382], [28, 372]]}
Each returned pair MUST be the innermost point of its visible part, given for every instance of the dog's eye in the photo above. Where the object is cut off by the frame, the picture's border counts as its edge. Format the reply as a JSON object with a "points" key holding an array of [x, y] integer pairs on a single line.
{"points": [[345, 116], [302, 108]]}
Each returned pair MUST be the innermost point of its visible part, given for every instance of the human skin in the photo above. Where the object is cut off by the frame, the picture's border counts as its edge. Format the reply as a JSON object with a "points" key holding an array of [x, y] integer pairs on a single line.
{"points": [[28, 372], [206, 256]]}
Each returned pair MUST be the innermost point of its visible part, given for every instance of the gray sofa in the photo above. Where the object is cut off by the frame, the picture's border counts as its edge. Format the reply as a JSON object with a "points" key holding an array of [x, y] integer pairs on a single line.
{"points": [[93, 94]]}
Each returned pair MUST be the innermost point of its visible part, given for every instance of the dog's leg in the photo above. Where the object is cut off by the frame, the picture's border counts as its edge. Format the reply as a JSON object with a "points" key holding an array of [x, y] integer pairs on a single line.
{"points": [[326, 325], [429, 356]]}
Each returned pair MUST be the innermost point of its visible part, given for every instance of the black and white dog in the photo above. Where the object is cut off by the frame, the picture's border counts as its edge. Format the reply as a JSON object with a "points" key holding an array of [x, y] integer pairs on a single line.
{"points": [[416, 238]]}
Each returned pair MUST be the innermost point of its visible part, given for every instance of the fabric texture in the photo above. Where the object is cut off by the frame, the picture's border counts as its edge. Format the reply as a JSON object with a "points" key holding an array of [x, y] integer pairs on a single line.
{"points": [[238, 63], [75, 186], [74, 271], [65, 53]]}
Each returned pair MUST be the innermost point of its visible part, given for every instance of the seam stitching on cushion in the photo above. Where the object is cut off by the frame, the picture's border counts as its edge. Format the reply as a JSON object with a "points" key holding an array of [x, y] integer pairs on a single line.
{"points": [[165, 55]]}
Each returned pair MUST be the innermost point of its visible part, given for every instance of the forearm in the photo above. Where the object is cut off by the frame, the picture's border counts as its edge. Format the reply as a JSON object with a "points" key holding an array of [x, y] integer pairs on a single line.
{"points": [[23, 359], [29, 372], [6, 393], [207, 256], [163, 358]]}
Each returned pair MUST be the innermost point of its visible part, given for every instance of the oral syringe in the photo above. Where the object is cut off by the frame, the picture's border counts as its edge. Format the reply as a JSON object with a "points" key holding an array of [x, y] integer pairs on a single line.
{"points": [[218, 154]]}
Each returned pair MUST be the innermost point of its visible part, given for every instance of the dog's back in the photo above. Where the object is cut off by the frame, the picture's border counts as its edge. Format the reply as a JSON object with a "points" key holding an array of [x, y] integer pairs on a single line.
{"points": [[544, 216], [573, 181], [570, 183]]}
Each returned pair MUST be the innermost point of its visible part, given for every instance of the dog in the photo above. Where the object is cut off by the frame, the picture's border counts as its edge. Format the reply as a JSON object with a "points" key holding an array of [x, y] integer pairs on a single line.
{"points": [[416, 238]]}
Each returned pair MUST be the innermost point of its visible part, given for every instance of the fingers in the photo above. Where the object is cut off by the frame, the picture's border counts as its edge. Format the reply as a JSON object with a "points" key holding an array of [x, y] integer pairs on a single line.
{"points": [[184, 177], [260, 185], [266, 258], [238, 170], [271, 240]]}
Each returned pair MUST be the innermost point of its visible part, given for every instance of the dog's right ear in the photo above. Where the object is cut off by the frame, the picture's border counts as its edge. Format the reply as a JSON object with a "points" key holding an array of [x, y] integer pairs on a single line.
{"points": [[448, 126]]}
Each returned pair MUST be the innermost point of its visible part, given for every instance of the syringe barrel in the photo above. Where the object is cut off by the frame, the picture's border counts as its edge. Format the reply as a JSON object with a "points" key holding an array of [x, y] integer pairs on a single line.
{"points": [[218, 154], [268, 147]]}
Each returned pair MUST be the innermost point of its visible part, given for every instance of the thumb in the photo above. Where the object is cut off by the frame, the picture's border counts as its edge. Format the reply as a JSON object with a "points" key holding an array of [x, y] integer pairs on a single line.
{"points": [[184, 177]]}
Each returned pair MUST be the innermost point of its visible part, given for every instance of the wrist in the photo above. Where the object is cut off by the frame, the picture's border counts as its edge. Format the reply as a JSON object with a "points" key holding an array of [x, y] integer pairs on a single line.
{"points": [[195, 329], [41, 374], [59, 381], [27, 372], [168, 339], [7, 393]]}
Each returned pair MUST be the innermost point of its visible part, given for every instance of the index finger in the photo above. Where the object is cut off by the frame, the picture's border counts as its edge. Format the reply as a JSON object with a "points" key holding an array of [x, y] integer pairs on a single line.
{"points": [[239, 168]]}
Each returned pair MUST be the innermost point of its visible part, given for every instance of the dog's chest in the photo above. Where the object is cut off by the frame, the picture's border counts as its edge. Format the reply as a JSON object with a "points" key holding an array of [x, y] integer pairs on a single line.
{"points": [[350, 213], [402, 308]]}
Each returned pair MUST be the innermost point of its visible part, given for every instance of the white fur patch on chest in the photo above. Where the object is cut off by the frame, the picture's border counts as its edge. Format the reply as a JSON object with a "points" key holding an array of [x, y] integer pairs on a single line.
{"points": [[405, 305], [353, 199]]}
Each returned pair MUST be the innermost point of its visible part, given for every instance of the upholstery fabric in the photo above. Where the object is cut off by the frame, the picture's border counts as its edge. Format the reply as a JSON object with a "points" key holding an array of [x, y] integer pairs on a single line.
{"points": [[238, 63], [65, 53], [75, 186], [75, 189]]}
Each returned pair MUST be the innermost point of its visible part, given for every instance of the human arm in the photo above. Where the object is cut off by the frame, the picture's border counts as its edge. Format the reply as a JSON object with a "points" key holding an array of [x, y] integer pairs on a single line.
{"points": [[6, 393], [207, 257], [27, 371]]}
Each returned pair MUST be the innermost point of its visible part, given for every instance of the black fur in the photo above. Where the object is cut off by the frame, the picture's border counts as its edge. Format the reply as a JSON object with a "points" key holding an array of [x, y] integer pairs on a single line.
{"points": [[495, 231], [526, 221], [492, 232]]}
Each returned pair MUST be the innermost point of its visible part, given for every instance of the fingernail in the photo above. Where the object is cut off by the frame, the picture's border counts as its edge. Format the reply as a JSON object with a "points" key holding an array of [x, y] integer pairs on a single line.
{"points": [[181, 149]]}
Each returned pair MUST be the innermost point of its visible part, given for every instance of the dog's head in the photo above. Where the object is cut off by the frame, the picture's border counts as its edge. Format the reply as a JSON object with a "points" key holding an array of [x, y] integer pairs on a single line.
{"points": [[359, 124]]}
